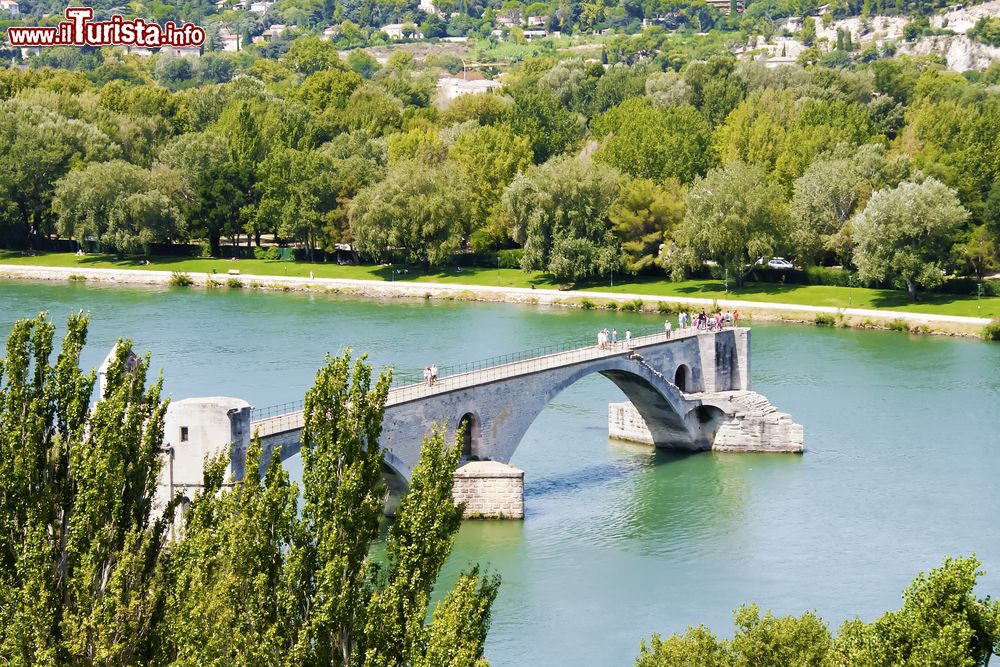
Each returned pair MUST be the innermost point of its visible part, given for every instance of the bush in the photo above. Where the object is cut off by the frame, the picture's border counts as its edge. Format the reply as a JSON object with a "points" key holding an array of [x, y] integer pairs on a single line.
{"points": [[205, 251], [898, 325], [992, 331], [665, 308], [826, 275], [632, 306], [234, 283], [586, 304], [510, 259], [825, 320], [77, 277], [611, 305], [179, 279], [969, 287]]}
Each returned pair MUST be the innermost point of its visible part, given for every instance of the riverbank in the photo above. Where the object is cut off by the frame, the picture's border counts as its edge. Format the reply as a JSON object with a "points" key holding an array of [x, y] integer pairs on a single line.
{"points": [[915, 322]]}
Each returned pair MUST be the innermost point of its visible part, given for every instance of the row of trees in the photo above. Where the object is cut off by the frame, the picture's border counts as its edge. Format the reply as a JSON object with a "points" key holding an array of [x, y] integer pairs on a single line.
{"points": [[258, 574], [891, 168]]}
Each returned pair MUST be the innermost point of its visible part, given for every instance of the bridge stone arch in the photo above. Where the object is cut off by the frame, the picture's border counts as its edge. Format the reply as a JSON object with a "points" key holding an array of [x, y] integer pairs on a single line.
{"points": [[506, 407]]}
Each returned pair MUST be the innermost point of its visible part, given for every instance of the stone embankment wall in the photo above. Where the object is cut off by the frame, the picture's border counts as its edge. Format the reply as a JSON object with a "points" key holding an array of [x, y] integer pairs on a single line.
{"points": [[751, 424], [490, 490]]}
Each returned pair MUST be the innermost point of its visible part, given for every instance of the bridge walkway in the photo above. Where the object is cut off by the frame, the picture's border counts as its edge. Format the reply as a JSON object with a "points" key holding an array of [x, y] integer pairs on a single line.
{"points": [[290, 416]]}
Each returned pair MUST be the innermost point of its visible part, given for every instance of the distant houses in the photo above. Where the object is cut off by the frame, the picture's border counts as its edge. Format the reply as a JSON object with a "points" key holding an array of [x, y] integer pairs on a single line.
{"points": [[401, 30], [452, 87], [10, 8]]}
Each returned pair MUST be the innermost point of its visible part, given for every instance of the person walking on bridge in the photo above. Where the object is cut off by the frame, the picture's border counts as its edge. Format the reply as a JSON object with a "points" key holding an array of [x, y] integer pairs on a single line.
{"points": [[434, 373], [668, 328], [614, 337], [628, 339]]}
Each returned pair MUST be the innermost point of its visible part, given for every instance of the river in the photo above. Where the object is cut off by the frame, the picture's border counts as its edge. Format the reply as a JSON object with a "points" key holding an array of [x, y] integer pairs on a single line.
{"points": [[620, 541]]}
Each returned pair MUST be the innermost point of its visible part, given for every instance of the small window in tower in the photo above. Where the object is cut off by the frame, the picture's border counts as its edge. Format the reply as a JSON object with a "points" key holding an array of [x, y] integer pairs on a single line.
{"points": [[184, 433]]}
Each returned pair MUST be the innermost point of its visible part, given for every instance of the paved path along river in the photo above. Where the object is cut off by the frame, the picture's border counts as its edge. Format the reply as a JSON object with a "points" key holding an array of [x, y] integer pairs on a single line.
{"points": [[902, 460]]}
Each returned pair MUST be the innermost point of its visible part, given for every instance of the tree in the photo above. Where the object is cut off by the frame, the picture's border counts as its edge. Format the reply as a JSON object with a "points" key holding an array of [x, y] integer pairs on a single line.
{"points": [[297, 194], [80, 581], [827, 195], [88, 577], [328, 88], [559, 211], [37, 148], [941, 623], [124, 206], [307, 55], [416, 208], [255, 581], [540, 117], [735, 216], [644, 218], [906, 234], [655, 143], [490, 157]]}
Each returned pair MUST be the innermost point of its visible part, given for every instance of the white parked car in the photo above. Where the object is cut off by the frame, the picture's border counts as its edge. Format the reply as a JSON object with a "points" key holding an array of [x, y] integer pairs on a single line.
{"points": [[779, 263]]}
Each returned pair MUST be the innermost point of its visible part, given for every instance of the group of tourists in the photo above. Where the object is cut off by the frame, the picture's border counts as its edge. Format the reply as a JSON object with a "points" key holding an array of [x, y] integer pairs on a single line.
{"points": [[708, 322], [607, 340], [430, 375]]}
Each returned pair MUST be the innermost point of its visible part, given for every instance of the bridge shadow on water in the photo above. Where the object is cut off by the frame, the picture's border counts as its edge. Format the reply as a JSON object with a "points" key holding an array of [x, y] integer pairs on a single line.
{"points": [[603, 473]]}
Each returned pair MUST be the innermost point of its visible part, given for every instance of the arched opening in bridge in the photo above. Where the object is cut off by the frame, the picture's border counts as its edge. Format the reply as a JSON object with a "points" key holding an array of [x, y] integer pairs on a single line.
{"points": [[681, 377], [470, 430]]}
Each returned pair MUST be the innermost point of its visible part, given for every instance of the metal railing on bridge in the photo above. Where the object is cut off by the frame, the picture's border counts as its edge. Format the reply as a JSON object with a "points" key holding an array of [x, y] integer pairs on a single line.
{"points": [[409, 385]]}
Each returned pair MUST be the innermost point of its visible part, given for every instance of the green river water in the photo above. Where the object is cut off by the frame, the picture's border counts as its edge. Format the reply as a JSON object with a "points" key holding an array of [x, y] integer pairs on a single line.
{"points": [[901, 465]]}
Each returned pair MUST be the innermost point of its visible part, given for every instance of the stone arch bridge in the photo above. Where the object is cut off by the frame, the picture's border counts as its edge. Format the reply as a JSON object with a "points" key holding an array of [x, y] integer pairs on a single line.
{"points": [[680, 387]]}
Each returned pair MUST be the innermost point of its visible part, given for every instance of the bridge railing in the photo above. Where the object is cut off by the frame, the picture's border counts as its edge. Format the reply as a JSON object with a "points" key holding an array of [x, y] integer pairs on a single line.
{"points": [[408, 385], [519, 363]]}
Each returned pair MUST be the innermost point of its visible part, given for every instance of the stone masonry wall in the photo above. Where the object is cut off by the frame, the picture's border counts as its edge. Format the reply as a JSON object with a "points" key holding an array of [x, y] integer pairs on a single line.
{"points": [[752, 424], [490, 490]]}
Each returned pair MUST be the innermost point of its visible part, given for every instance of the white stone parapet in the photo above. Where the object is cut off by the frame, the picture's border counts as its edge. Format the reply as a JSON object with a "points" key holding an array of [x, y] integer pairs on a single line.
{"points": [[490, 490]]}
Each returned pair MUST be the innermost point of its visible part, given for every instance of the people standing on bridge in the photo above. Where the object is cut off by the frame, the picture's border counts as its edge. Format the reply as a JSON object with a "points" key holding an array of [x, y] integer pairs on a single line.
{"points": [[434, 373], [628, 339], [668, 328], [427, 375], [736, 318], [614, 337], [601, 339]]}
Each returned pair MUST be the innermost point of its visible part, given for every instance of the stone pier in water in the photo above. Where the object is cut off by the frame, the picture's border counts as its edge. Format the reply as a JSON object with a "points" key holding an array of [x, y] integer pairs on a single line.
{"points": [[751, 424]]}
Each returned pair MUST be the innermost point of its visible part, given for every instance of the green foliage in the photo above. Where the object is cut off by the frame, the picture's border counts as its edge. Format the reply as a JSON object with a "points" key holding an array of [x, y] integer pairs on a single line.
{"points": [[234, 283], [417, 207], [510, 259], [825, 320], [586, 304], [490, 157], [252, 578], [897, 325], [180, 279], [644, 218], [904, 233], [734, 216], [991, 331], [655, 143], [559, 211], [987, 30], [941, 623], [634, 306], [80, 578]]}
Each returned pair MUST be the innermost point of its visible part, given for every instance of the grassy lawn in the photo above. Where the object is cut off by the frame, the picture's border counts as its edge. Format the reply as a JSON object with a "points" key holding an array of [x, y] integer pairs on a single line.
{"points": [[812, 295]]}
